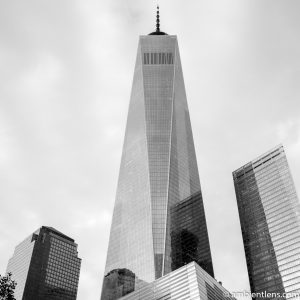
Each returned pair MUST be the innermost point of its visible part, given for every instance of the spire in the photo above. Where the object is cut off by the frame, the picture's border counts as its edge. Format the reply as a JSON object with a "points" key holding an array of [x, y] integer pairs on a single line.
{"points": [[157, 32], [157, 20]]}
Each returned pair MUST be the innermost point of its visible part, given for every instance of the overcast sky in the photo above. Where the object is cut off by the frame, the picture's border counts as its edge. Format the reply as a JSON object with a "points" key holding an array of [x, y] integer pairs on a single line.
{"points": [[66, 69]]}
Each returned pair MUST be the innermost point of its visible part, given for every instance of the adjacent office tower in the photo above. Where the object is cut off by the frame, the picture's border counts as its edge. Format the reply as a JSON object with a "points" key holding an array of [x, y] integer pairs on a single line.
{"points": [[45, 266], [270, 221], [158, 221]]}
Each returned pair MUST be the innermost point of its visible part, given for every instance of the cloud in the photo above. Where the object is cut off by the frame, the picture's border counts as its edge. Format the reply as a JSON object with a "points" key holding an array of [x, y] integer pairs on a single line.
{"points": [[43, 77], [289, 131], [90, 220]]}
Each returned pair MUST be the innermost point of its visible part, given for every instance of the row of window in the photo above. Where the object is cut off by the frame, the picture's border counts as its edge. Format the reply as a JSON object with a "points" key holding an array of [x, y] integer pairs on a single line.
{"points": [[158, 58]]}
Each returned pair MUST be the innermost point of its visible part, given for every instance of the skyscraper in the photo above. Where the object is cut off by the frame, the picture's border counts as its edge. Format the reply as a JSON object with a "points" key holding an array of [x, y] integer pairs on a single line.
{"points": [[270, 221], [45, 266], [158, 221]]}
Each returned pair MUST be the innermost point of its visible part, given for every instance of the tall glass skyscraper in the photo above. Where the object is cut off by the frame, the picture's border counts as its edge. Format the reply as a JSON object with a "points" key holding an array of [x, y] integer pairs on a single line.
{"points": [[270, 221], [158, 220], [45, 266]]}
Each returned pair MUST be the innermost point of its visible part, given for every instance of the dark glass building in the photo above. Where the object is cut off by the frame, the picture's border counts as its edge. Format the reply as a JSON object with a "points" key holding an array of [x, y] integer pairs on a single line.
{"points": [[270, 221], [188, 235], [45, 266], [158, 221]]}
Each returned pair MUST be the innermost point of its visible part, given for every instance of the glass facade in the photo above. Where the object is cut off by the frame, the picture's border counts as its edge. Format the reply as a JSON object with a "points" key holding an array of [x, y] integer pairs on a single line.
{"points": [[159, 184], [270, 221], [20, 262], [189, 238], [46, 266], [188, 282]]}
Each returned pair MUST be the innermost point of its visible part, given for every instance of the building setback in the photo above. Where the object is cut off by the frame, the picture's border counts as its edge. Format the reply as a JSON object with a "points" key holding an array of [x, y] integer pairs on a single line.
{"points": [[45, 266], [158, 221], [269, 213]]}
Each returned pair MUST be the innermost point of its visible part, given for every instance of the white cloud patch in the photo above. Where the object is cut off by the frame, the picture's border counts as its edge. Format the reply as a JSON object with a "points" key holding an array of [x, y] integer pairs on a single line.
{"points": [[289, 131], [42, 77], [7, 148], [90, 220]]}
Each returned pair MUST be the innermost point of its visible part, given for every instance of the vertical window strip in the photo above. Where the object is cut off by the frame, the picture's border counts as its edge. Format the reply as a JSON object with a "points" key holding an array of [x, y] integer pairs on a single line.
{"points": [[158, 58]]}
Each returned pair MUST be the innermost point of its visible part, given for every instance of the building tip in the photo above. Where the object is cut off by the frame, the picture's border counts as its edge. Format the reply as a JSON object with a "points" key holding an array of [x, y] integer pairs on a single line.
{"points": [[157, 20], [157, 31]]}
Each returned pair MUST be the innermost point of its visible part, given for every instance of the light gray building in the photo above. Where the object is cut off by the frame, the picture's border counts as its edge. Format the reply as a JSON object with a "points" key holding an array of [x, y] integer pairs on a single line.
{"points": [[158, 221], [188, 282], [45, 266], [269, 212]]}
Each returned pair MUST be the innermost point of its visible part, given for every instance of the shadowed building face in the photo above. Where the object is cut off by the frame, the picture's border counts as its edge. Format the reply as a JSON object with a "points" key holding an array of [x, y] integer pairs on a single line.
{"points": [[158, 221], [46, 266]]}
